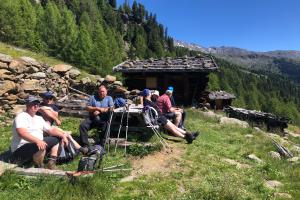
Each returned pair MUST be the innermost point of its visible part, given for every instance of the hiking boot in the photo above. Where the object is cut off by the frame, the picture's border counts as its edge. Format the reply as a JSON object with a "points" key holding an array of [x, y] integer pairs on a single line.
{"points": [[39, 165], [51, 164], [182, 127], [189, 138], [195, 134]]}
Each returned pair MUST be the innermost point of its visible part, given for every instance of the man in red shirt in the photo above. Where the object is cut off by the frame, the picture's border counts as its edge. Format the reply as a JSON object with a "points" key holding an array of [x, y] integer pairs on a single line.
{"points": [[165, 106]]}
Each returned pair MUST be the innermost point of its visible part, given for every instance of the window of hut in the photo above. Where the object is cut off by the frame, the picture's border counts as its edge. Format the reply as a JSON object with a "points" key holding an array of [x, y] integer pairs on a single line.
{"points": [[151, 82]]}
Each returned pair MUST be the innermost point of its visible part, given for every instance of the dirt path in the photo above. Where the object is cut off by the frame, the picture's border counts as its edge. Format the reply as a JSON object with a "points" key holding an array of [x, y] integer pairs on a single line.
{"points": [[159, 162]]}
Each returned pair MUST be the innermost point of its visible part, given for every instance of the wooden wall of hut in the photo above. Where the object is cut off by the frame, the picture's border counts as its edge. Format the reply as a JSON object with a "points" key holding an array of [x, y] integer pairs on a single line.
{"points": [[187, 86]]}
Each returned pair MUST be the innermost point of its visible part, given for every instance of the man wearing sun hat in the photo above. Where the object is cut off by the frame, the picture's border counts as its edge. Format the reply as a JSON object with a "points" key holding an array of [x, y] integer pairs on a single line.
{"points": [[28, 142]]}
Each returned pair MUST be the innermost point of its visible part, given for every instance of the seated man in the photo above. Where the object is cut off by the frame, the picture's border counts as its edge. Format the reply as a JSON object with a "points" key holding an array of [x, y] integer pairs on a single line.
{"points": [[181, 124], [28, 143], [154, 96], [48, 110], [165, 106], [98, 107], [163, 121]]}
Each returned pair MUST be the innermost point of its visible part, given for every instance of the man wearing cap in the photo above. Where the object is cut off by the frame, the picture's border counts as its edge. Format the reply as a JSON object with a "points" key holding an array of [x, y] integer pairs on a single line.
{"points": [[181, 124], [154, 96], [98, 107], [48, 110], [165, 106], [164, 122], [28, 143], [172, 96]]}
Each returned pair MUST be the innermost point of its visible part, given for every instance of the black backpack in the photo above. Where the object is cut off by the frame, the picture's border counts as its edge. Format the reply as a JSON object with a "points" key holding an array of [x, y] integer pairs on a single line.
{"points": [[93, 157], [67, 153]]}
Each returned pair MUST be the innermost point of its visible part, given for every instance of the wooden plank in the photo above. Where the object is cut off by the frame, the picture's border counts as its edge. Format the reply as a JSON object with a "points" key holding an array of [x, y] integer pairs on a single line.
{"points": [[39, 172], [79, 92], [6, 166], [30, 171]]}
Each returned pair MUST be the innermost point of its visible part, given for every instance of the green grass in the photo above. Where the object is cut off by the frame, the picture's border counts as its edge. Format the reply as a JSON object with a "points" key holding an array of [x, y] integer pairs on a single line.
{"points": [[16, 52], [201, 173]]}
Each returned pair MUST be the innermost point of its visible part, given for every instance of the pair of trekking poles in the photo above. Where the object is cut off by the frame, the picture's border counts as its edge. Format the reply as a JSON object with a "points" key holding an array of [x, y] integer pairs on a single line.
{"points": [[126, 109], [107, 134]]}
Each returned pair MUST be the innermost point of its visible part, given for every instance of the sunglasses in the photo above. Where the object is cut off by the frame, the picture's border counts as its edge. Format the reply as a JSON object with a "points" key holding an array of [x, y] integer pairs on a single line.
{"points": [[35, 105]]}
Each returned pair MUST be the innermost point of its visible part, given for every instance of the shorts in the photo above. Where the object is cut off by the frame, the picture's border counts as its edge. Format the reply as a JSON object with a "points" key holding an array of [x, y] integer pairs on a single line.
{"points": [[24, 153], [162, 120], [170, 115]]}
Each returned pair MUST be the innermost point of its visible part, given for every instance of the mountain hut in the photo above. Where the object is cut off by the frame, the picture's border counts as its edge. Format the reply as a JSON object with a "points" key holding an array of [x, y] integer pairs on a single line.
{"points": [[188, 75]]}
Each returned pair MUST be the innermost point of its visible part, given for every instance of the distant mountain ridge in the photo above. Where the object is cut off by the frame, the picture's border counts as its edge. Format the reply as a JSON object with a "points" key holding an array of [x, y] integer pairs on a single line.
{"points": [[231, 51], [285, 62]]}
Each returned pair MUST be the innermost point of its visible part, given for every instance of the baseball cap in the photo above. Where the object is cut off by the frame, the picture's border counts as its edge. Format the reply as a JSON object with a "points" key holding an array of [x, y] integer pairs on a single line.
{"points": [[155, 92], [146, 92], [48, 95], [170, 88], [32, 99]]}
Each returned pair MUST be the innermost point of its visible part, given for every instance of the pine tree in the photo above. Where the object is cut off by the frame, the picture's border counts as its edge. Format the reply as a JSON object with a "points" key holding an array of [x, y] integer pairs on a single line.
{"points": [[140, 46], [100, 53], [84, 47], [85, 19], [113, 3], [68, 33], [49, 28], [135, 11], [115, 52], [18, 22]]}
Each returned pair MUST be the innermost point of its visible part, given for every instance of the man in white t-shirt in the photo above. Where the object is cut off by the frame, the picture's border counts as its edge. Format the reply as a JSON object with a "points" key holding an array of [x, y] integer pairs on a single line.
{"points": [[28, 143]]}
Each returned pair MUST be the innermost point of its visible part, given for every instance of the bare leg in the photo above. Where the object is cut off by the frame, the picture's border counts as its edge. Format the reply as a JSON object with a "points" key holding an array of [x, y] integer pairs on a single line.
{"points": [[177, 119], [54, 151], [170, 127], [173, 126], [38, 157], [77, 146]]}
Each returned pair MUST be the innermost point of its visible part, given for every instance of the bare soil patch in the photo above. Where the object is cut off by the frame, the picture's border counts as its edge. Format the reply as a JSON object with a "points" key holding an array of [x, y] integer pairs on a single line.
{"points": [[158, 162]]}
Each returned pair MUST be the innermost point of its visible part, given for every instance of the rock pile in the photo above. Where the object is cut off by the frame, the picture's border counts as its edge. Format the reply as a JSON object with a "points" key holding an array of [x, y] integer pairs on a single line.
{"points": [[23, 76], [20, 77]]}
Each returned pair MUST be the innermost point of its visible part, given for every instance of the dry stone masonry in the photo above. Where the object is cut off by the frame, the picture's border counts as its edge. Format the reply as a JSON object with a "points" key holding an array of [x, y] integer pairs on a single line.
{"points": [[20, 77]]}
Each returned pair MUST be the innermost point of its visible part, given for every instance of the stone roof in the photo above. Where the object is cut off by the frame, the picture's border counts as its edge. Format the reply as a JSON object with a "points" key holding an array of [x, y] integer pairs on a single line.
{"points": [[220, 95], [183, 64]]}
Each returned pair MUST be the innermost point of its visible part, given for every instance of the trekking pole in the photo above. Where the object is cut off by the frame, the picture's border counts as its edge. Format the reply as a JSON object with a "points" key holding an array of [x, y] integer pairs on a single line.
{"points": [[121, 124], [107, 134], [160, 138], [126, 132]]}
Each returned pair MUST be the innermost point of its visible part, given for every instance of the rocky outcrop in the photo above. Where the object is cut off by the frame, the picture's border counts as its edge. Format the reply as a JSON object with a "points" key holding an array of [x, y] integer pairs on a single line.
{"points": [[20, 77], [234, 122], [61, 68]]}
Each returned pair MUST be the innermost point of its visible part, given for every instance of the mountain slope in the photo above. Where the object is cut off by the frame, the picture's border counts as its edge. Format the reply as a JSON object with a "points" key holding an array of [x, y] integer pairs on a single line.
{"points": [[286, 63]]}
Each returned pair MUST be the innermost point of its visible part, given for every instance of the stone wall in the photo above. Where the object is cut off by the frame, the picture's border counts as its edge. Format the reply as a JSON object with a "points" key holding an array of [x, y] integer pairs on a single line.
{"points": [[20, 77]]}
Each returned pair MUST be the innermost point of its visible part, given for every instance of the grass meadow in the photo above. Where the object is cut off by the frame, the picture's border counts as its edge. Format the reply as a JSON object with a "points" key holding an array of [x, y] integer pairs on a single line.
{"points": [[200, 172]]}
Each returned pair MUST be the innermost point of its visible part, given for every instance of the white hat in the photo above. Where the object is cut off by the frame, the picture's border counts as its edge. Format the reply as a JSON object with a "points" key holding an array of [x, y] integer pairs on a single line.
{"points": [[155, 92]]}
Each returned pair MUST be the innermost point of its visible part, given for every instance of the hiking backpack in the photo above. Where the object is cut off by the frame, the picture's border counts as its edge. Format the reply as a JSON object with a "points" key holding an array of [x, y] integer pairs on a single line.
{"points": [[92, 160]]}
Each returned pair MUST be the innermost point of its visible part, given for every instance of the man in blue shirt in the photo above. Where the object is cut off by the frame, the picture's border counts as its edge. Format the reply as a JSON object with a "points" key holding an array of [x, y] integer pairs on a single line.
{"points": [[98, 107]]}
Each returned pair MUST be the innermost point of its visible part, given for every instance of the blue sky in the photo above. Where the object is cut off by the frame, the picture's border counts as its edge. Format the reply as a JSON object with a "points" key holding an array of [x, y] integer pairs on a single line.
{"points": [[258, 25]]}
